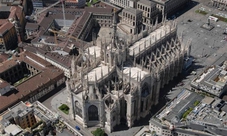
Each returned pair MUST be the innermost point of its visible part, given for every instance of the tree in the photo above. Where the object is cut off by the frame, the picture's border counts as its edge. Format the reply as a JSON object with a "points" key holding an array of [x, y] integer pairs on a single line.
{"points": [[98, 132]]}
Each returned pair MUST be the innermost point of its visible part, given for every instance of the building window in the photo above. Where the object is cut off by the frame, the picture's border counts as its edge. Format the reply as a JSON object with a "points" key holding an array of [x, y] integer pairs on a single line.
{"points": [[141, 106], [93, 113], [78, 109]]}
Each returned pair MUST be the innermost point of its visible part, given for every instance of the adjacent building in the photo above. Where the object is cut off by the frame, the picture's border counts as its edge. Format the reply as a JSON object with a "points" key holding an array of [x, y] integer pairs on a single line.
{"points": [[124, 3], [213, 80], [149, 8], [51, 29], [220, 4], [4, 87], [31, 30], [16, 16], [75, 3], [168, 7], [9, 3], [8, 37], [175, 111], [190, 114], [30, 77], [25, 119], [131, 21], [37, 4], [20, 114], [158, 128], [102, 17], [58, 60], [152, 8], [150, 11]]}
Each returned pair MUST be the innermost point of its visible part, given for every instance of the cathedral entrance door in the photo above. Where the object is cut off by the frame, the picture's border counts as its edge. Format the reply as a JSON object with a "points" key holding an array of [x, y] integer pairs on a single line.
{"points": [[123, 111]]}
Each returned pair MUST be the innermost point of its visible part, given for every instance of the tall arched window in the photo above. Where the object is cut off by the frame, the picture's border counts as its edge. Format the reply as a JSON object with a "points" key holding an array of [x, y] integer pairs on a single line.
{"points": [[93, 113], [145, 90], [78, 109]]}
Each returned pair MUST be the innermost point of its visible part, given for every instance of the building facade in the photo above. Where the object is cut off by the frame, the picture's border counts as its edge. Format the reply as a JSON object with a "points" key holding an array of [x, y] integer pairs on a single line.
{"points": [[103, 20], [75, 3], [8, 37], [158, 129], [104, 13], [9, 3], [31, 30], [150, 11], [61, 62], [170, 120], [21, 115], [24, 118], [37, 4], [131, 20], [31, 78], [17, 18], [220, 4], [124, 3], [119, 83], [80, 24], [4, 87], [168, 7]]}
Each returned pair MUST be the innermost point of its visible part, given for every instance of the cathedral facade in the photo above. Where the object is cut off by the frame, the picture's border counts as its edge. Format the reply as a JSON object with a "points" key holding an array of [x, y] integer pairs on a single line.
{"points": [[117, 83]]}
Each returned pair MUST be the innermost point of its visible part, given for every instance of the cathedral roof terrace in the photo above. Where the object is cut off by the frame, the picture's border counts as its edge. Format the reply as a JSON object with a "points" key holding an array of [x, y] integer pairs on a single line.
{"points": [[99, 72], [150, 40], [135, 72], [93, 51]]}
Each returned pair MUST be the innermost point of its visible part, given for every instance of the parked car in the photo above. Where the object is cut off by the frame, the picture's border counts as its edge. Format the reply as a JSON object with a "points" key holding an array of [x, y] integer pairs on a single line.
{"points": [[77, 128]]}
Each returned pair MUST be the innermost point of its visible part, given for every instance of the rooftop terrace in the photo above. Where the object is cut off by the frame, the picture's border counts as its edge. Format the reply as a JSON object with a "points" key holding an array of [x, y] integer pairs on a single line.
{"points": [[213, 80], [150, 40]]}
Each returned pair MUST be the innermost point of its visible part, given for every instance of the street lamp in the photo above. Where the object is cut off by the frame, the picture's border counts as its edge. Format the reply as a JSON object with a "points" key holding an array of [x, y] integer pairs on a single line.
{"points": [[213, 43]]}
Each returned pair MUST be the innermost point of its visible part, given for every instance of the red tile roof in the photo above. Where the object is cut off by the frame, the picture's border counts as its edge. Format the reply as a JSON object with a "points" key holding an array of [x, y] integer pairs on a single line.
{"points": [[3, 83], [5, 27], [16, 11], [3, 57], [7, 101]]}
